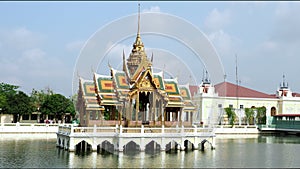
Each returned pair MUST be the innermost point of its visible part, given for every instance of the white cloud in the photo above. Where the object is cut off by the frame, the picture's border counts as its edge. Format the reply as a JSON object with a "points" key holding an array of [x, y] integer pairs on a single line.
{"points": [[222, 41], [269, 46], [75, 46], [20, 38], [287, 25], [217, 19], [33, 55], [24, 62], [226, 45], [152, 9]]}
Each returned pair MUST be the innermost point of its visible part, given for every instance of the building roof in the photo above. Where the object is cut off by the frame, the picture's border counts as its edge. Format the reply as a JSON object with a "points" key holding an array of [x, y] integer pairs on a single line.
{"points": [[158, 80], [231, 90], [287, 115], [119, 77], [88, 91], [296, 94], [171, 87], [186, 95], [193, 89], [185, 92]]}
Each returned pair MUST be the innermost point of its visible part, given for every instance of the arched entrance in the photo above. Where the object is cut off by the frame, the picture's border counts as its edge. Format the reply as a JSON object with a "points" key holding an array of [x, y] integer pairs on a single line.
{"points": [[152, 147], [83, 147], [105, 147], [273, 111], [131, 148]]}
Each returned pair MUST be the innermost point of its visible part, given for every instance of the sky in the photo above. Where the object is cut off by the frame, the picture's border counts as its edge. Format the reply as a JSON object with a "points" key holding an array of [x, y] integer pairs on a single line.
{"points": [[41, 42]]}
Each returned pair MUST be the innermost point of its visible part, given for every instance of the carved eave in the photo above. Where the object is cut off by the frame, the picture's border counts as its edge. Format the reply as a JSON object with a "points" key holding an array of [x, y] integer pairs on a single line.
{"points": [[144, 65]]}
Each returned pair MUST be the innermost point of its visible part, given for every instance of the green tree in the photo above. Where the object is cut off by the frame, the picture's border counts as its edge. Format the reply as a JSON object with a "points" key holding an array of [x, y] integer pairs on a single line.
{"points": [[19, 104], [231, 115], [261, 115], [8, 89], [7, 92], [3, 101], [70, 107], [38, 98], [57, 105], [249, 112]]}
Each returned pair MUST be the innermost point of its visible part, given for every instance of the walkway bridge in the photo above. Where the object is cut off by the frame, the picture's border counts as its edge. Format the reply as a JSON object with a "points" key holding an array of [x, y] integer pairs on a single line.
{"points": [[121, 139], [288, 123]]}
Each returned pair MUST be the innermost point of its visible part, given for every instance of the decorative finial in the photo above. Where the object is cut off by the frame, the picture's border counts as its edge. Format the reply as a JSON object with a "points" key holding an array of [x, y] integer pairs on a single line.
{"points": [[109, 65], [123, 55], [203, 75], [283, 80], [139, 18], [78, 74], [284, 84], [152, 58], [92, 69], [206, 77]]}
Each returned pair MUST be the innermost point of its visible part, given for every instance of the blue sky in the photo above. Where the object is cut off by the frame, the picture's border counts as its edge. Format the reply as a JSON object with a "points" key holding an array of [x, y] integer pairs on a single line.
{"points": [[40, 41]]}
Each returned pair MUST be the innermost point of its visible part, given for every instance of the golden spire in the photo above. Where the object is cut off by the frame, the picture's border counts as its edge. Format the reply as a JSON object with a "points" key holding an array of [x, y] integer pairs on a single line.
{"points": [[138, 44], [139, 19], [124, 62]]}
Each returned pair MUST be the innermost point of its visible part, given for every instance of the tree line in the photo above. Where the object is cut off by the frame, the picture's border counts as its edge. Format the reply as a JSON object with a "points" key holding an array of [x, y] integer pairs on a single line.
{"points": [[45, 102], [252, 115]]}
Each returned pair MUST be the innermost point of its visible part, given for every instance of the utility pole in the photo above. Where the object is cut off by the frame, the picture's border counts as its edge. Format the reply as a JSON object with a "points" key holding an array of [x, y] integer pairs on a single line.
{"points": [[237, 82], [238, 111]]}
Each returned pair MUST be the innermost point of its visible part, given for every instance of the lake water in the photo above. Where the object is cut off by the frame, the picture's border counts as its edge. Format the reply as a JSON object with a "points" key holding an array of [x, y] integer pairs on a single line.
{"points": [[259, 152]]}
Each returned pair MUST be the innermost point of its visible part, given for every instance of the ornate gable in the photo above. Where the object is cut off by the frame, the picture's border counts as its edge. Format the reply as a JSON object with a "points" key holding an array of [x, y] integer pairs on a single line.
{"points": [[88, 95], [105, 90], [172, 90], [145, 81], [158, 80], [186, 95]]}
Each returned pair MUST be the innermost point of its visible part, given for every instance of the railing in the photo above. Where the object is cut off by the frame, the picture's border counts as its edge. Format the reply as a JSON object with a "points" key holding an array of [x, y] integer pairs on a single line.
{"points": [[27, 124], [70, 129], [288, 124], [283, 124], [28, 128]]}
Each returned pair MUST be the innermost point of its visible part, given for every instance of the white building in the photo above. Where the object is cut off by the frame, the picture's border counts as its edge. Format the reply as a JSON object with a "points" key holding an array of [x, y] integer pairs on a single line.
{"points": [[212, 99]]}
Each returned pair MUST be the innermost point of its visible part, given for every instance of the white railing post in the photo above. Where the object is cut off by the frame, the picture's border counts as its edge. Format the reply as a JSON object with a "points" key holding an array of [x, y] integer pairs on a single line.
{"points": [[95, 128], [182, 129], [195, 129], [163, 129], [117, 126], [121, 128], [142, 129]]}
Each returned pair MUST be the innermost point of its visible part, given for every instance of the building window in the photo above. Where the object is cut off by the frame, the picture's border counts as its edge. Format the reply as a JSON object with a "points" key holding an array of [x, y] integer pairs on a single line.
{"points": [[230, 106], [34, 117], [25, 117], [241, 106], [220, 105]]}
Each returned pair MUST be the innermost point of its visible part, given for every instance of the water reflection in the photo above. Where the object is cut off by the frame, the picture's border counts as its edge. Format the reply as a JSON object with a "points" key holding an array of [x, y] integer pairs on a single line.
{"points": [[260, 152]]}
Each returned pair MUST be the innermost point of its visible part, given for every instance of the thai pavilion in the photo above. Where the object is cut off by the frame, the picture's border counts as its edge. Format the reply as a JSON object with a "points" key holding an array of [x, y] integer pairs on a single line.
{"points": [[135, 95]]}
